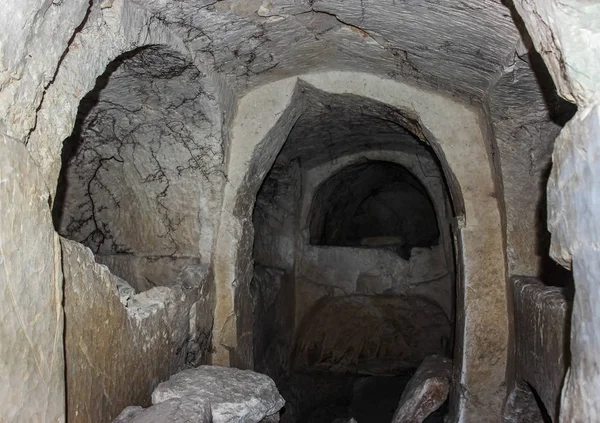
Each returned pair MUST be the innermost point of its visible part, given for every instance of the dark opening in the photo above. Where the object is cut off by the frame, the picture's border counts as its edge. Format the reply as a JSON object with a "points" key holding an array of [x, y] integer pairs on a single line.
{"points": [[354, 271], [372, 205]]}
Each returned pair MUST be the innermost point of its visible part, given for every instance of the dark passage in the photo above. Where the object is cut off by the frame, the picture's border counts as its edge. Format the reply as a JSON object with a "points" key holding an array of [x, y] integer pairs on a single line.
{"points": [[354, 268], [374, 204]]}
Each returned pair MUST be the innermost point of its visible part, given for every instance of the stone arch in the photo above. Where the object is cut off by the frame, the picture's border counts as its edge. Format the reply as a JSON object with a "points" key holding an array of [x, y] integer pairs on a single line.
{"points": [[172, 320], [457, 135], [123, 29], [437, 191], [333, 222], [141, 167]]}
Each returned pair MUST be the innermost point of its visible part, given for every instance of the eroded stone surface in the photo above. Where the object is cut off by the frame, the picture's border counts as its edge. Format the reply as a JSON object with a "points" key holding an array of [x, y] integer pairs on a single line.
{"points": [[31, 316], [357, 332], [426, 391], [234, 396], [452, 46], [155, 335]]}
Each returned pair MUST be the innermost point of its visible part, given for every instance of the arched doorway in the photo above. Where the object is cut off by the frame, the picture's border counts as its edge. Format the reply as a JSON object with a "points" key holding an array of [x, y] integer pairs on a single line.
{"points": [[451, 130]]}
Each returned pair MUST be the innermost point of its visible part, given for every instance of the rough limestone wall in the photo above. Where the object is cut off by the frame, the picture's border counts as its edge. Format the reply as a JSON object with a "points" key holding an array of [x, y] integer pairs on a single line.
{"points": [[31, 326], [567, 34], [50, 55], [526, 115], [32, 369], [143, 163], [142, 340], [142, 172]]}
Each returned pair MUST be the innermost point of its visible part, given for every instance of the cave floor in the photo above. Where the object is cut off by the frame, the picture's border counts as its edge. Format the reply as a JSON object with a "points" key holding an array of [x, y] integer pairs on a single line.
{"points": [[326, 397]]}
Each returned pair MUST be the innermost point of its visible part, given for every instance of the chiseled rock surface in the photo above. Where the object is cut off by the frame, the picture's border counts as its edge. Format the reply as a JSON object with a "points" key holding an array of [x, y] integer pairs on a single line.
{"points": [[542, 326], [527, 116], [426, 391], [452, 43], [121, 345], [235, 396], [31, 314], [142, 169], [521, 406]]}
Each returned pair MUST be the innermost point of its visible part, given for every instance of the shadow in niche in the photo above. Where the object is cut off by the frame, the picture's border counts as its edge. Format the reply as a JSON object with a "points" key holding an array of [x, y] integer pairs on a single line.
{"points": [[524, 405], [72, 143], [560, 111], [375, 204], [356, 329], [551, 273]]}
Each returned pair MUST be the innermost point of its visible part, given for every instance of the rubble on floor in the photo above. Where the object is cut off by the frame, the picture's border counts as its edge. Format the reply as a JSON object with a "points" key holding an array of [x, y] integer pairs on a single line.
{"points": [[211, 394], [426, 391]]}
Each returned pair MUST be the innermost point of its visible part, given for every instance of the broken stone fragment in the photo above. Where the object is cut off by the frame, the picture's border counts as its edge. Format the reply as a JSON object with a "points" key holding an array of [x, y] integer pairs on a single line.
{"points": [[211, 394], [426, 391], [173, 410]]}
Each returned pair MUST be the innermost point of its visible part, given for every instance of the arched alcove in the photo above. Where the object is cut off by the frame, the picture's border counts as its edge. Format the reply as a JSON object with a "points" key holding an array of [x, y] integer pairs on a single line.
{"points": [[451, 130], [140, 167], [371, 205], [134, 201]]}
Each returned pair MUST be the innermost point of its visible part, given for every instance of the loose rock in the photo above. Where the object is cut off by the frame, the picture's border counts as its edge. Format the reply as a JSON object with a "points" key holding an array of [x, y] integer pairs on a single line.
{"points": [[426, 391], [211, 394]]}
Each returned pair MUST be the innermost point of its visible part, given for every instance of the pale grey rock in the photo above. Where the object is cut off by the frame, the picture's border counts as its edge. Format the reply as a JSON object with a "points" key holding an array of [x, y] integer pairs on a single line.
{"points": [[573, 192], [234, 396], [125, 290], [31, 315], [30, 57], [567, 34], [176, 410], [426, 391]]}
